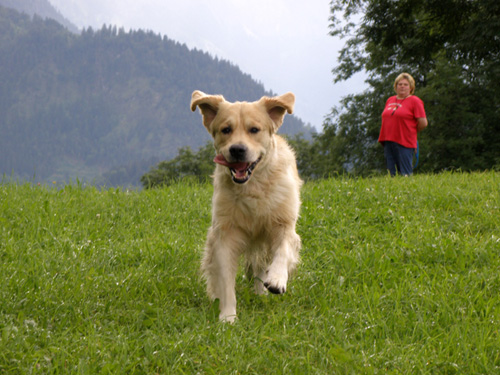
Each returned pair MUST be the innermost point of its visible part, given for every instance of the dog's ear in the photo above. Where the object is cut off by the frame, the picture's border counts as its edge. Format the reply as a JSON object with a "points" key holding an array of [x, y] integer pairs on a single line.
{"points": [[277, 107], [208, 104]]}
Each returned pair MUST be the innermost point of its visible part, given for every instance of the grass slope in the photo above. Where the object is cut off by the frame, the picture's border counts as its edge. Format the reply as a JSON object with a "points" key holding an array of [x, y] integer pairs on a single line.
{"points": [[397, 276]]}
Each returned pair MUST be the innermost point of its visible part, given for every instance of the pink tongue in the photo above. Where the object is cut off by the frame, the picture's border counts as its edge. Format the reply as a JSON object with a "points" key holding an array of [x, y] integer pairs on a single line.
{"points": [[239, 167]]}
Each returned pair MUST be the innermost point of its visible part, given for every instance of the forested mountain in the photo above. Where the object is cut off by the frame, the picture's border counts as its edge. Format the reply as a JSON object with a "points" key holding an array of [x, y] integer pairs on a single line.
{"points": [[103, 102], [41, 8]]}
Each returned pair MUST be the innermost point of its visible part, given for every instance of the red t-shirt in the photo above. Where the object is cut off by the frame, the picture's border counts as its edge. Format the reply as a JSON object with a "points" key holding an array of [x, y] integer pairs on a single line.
{"points": [[399, 120]]}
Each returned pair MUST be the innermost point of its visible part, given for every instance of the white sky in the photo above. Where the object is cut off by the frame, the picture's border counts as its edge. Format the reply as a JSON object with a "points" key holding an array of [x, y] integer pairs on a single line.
{"points": [[284, 44]]}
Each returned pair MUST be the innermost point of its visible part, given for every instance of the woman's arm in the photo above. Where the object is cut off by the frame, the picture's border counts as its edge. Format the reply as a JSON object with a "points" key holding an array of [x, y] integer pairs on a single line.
{"points": [[421, 123]]}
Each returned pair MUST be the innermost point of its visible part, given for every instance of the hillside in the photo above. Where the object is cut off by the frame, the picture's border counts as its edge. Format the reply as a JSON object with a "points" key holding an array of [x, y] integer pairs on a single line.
{"points": [[80, 106], [41, 8], [397, 276]]}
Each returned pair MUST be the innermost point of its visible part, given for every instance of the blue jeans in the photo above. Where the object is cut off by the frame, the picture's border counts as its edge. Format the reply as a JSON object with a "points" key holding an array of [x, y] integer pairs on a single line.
{"points": [[398, 158]]}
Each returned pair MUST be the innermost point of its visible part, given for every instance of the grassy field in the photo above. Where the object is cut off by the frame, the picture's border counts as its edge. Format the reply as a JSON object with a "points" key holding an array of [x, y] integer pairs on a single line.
{"points": [[398, 276]]}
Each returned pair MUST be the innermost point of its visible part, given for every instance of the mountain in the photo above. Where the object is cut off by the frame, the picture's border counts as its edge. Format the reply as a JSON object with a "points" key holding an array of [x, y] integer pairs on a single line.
{"points": [[41, 8], [104, 102]]}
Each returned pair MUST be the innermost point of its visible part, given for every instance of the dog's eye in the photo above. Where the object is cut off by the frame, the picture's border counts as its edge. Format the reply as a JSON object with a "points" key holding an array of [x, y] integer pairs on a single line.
{"points": [[254, 130], [226, 130]]}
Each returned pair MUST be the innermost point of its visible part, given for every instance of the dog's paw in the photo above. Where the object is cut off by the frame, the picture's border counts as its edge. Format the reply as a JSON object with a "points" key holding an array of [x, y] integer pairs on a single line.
{"points": [[275, 289], [259, 287], [276, 282], [227, 313], [227, 318]]}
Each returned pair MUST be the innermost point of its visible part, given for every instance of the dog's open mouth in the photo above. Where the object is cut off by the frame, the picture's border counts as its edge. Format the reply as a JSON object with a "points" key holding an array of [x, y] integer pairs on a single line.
{"points": [[240, 171]]}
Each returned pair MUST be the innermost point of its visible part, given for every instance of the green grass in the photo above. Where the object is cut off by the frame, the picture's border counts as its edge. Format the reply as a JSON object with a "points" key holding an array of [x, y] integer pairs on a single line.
{"points": [[398, 276]]}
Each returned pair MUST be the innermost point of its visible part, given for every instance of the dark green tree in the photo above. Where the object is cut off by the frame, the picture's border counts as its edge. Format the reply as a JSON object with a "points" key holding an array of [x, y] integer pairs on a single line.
{"points": [[187, 164], [452, 49]]}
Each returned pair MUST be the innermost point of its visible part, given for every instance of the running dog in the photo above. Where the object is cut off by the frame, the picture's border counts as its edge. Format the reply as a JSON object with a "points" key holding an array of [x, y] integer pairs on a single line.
{"points": [[256, 199]]}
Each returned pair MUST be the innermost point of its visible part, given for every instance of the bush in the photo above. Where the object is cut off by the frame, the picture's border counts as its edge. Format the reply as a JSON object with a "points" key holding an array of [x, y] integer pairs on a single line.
{"points": [[187, 164]]}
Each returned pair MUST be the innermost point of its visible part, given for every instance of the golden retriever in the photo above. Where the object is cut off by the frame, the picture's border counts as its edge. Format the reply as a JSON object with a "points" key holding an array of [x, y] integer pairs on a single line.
{"points": [[256, 198]]}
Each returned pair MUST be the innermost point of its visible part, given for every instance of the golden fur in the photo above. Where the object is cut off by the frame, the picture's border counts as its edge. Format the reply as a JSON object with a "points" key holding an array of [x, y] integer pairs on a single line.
{"points": [[256, 197]]}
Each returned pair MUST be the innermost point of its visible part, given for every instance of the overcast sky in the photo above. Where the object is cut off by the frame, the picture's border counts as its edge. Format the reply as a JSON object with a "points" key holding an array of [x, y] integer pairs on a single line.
{"points": [[284, 44]]}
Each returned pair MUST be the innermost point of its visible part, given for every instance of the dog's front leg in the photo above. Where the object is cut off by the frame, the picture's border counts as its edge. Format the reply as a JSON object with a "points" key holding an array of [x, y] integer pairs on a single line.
{"points": [[285, 259], [220, 265]]}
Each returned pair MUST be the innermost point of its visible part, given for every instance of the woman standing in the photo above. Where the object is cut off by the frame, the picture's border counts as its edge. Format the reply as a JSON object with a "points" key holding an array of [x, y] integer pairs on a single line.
{"points": [[403, 117]]}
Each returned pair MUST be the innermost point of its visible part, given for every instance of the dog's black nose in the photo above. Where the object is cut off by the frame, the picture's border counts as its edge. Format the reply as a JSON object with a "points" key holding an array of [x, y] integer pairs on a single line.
{"points": [[238, 152]]}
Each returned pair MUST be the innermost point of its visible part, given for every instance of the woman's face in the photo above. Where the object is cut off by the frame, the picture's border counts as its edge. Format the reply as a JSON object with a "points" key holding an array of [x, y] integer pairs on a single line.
{"points": [[403, 88]]}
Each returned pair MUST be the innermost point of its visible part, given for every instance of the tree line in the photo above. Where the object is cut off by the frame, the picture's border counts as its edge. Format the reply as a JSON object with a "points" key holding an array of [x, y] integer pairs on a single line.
{"points": [[450, 47], [105, 104]]}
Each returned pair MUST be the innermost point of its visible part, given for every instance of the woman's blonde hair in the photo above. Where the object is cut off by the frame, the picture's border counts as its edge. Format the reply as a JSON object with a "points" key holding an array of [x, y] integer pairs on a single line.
{"points": [[409, 78]]}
